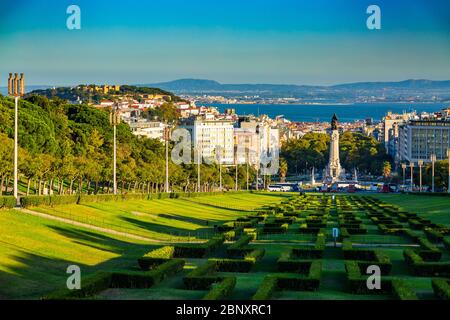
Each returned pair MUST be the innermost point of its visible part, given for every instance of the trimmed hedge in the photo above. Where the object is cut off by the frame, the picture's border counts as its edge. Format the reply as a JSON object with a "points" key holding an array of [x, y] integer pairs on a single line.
{"points": [[441, 288], [7, 202], [32, 201], [101, 281], [402, 291], [202, 277], [90, 286], [198, 250], [422, 268], [266, 289], [156, 257], [221, 290], [239, 265], [137, 279], [238, 249]]}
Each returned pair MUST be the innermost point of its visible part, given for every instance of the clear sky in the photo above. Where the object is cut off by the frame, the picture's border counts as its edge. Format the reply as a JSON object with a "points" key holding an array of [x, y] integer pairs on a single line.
{"points": [[231, 41]]}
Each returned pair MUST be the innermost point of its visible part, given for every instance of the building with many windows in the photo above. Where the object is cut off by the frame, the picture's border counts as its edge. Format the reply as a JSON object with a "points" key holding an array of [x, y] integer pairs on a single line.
{"points": [[213, 138], [419, 139]]}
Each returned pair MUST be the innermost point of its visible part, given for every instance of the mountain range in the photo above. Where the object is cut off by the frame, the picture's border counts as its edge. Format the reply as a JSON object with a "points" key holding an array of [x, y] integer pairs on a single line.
{"points": [[411, 87]]}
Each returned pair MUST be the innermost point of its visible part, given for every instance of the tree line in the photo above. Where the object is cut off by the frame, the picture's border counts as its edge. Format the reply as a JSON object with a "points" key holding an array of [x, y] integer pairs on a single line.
{"points": [[67, 149]]}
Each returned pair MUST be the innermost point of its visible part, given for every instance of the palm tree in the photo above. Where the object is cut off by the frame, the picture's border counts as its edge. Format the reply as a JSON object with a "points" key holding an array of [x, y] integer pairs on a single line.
{"points": [[387, 169], [283, 169]]}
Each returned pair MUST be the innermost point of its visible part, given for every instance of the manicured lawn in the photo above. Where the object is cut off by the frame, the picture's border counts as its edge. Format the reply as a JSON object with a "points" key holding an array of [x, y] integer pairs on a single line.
{"points": [[35, 254], [437, 209], [168, 219]]}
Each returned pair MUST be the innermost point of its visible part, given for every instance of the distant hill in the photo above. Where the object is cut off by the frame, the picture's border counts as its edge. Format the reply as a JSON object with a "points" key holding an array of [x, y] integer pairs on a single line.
{"points": [[404, 88], [72, 93], [4, 90]]}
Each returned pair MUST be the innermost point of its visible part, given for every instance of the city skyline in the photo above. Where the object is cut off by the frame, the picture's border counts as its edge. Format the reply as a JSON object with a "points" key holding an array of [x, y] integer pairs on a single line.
{"points": [[320, 43]]}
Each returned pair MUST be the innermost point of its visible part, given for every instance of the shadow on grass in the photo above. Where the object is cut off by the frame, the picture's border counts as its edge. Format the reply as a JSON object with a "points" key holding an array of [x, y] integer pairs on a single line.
{"points": [[175, 231], [35, 274]]}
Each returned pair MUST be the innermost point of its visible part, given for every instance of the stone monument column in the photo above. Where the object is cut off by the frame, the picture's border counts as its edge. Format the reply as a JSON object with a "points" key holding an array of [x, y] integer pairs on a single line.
{"points": [[334, 171]]}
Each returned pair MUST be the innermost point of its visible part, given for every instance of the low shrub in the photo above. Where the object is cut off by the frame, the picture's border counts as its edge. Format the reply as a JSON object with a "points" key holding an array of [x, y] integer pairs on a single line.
{"points": [[91, 285], [238, 249], [202, 277], [7, 202], [402, 291], [422, 268], [266, 289], [156, 257], [198, 250], [441, 288], [221, 289], [136, 279]]}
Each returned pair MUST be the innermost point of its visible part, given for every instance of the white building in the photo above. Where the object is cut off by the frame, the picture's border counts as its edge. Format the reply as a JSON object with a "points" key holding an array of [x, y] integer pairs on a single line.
{"points": [[419, 139], [148, 129], [212, 138]]}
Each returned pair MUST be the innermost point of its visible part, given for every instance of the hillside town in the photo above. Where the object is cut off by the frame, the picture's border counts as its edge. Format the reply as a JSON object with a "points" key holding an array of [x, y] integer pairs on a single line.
{"points": [[407, 137]]}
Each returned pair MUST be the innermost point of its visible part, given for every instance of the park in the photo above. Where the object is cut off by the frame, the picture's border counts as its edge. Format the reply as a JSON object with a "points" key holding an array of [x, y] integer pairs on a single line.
{"points": [[235, 245]]}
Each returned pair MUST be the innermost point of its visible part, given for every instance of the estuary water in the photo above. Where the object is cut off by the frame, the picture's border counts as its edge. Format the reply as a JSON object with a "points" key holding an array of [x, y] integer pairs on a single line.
{"points": [[324, 112]]}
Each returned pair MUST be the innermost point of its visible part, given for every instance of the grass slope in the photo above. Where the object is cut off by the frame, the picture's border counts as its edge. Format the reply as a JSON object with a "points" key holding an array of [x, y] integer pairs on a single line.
{"points": [[167, 219], [436, 209]]}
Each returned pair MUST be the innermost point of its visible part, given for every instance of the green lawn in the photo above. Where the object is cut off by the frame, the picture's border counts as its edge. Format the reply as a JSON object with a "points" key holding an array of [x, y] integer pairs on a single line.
{"points": [[436, 209], [168, 219], [35, 252]]}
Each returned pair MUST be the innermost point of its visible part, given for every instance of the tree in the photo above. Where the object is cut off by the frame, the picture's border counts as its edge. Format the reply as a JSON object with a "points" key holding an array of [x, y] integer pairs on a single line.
{"points": [[283, 169], [387, 170]]}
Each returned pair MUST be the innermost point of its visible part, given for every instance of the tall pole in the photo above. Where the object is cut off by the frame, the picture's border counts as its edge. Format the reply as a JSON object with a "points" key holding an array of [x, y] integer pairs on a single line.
{"points": [[115, 161], [166, 138], [246, 169], [411, 165], [114, 119], [198, 167], [16, 89], [420, 174], [220, 174], [448, 156], [404, 174], [16, 122], [236, 184], [433, 160]]}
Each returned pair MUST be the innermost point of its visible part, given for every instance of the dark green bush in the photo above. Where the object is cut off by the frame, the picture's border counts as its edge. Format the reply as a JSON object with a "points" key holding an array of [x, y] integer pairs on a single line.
{"points": [[7, 202], [90, 286], [402, 291], [441, 288], [221, 289], [266, 289]]}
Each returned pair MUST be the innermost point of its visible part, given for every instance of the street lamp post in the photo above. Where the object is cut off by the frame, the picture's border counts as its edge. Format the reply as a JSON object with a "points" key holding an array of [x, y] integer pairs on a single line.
{"points": [[236, 184], [433, 160], [199, 156], [448, 156], [411, 165], [420, 163], [114, 119], [166, 138], [16, 89], [246, 169], [404, 174]]}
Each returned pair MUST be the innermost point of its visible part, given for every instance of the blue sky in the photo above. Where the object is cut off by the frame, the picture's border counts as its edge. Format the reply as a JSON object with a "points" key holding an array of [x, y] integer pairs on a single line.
{"points": [[277, 41]]}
